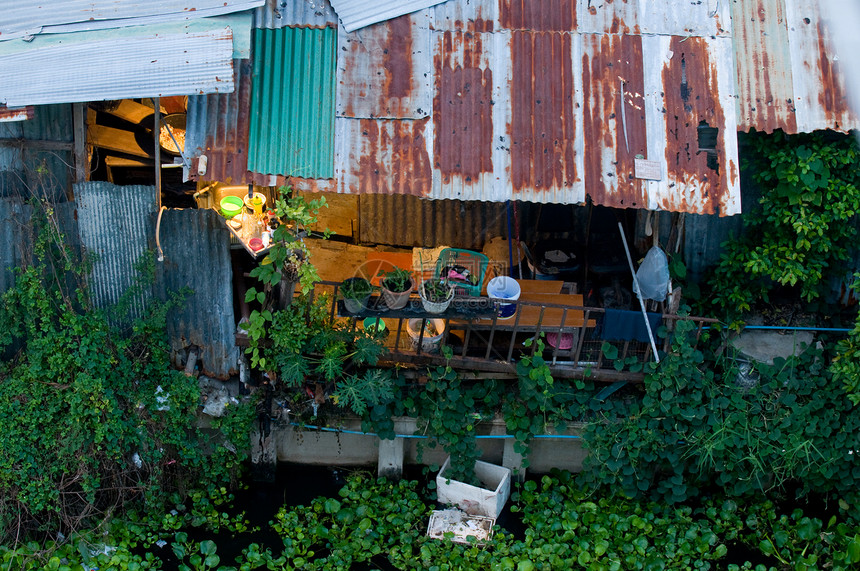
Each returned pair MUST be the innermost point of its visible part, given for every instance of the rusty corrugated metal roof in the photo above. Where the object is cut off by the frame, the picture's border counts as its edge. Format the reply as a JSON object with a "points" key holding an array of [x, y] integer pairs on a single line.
{"points": [[385, 70], [384, 156], [820, 91], [296, 13], [217, 126], [546, 118], [674, 17], [788, 73], [17, 114], [355, 14], [763, 63], [614, 118], [526, 106], [468, 115], [431, 222], [690, 81]]}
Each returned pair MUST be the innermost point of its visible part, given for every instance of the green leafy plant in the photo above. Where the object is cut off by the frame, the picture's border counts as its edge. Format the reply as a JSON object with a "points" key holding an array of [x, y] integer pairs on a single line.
{"points": [[802, 229], [356, 288], [306, 346], [287, 263], [396, 280], [93, 421], [437, 290], [846, 363]]}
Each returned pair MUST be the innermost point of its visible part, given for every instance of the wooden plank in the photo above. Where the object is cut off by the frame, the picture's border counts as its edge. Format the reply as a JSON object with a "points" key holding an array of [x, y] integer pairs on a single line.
{"points": [[539, 286], [116, 140], [82, 164], [340, 216]]}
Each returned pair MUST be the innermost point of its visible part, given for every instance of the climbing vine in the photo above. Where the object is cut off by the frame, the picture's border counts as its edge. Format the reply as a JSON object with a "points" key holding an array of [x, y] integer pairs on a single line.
{"points": [[802, 230], [92, 417]]}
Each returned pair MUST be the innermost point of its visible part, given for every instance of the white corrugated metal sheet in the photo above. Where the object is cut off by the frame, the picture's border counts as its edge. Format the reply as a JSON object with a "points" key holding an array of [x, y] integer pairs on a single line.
{"points": [[30, 17], [297, 13], [139, 64], [355, 14]]}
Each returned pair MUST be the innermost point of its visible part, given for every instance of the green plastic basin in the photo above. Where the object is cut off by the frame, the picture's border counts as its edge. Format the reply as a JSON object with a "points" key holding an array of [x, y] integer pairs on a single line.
{"points": [[230, 206]]}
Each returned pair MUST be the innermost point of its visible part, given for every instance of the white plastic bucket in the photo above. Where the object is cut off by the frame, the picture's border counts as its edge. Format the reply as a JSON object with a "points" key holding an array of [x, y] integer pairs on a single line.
{"points": [[503, 287], [430, 343]]}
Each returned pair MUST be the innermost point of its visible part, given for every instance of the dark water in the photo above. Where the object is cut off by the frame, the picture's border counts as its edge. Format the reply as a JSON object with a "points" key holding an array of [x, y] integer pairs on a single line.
{"points": [[298, 485]]}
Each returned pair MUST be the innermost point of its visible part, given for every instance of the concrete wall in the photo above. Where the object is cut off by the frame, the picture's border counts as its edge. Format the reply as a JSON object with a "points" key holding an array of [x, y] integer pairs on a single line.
{"points": [[310, 446]]}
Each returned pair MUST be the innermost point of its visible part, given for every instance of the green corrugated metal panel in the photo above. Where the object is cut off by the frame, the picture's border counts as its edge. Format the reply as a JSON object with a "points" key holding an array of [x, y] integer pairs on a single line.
{"points": [[292, 102]]}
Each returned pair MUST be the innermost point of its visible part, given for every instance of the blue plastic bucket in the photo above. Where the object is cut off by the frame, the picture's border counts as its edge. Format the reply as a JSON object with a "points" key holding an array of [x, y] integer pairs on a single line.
{"points": [[504, 288]]}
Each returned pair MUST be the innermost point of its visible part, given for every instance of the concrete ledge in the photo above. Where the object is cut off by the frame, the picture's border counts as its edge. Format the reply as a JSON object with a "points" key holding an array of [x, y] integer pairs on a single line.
{"points": [[325, 447]]}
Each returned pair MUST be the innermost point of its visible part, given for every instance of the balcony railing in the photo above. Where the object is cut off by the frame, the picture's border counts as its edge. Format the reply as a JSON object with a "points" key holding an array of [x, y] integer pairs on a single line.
{"points": [[574, 336]]}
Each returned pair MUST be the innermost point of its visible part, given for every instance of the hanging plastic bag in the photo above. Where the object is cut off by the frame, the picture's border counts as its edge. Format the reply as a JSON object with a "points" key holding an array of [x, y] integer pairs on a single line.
{"points": [[653, 275]]}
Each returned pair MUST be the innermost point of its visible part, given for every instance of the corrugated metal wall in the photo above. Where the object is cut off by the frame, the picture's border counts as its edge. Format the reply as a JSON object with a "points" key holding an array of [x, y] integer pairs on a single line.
{"points": [[408, 221], [136, 62], [116, 223], [292, 102], [29, 168], [389, 64], [28, 17], [357, 14], [297, 13], [196, 246]]}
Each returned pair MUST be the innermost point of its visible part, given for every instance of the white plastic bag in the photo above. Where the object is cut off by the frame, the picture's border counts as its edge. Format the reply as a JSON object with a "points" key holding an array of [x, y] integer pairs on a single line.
{"points": [[653, 275]]}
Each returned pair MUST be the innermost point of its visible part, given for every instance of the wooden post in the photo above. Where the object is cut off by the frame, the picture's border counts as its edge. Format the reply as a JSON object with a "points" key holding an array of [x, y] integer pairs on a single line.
{"points": [[82, 165]]}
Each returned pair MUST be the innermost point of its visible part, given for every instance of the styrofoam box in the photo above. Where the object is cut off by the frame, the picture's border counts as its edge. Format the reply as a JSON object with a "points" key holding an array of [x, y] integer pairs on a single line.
{"points": [[473, 500]]}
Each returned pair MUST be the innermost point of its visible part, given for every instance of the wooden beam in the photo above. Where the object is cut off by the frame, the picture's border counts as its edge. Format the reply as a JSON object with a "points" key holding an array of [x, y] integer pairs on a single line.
{"points": [[82, 166], [37, 144], [116, 140]]}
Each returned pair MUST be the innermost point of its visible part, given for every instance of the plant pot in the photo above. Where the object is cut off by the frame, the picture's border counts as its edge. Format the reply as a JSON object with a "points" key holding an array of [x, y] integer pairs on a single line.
{"points": [[351, 303], [429, 343], [396, 299], [435, 306], [483, 501]]}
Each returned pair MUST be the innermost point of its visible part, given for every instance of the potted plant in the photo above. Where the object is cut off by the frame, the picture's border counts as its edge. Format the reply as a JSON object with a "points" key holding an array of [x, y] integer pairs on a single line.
{"points": [[355, 292], [396, 287], [436, 295]]}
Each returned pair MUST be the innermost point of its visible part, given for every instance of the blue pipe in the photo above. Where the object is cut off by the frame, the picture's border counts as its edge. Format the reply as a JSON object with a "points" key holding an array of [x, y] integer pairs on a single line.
{"points": [[482, 436], [777, 327]]}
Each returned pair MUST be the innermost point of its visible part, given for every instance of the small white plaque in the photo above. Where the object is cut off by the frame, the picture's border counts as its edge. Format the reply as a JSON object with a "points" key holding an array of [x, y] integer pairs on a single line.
{"points": [[651, 170]]}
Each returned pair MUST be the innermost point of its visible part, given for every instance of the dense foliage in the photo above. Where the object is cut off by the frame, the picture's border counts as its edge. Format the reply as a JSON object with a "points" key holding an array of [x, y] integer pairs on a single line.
{"points": [[91, 415], [802, 230], [374, 523]]}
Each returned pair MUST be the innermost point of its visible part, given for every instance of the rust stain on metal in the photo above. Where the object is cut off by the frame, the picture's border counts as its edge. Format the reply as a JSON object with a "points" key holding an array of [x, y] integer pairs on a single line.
{"points": [[542, 129], [397, 58], [538, 15], [19, 114], [614, 119], [763, 68], [462, 108], [226, 144], [831, 94], [691, 99], [394, 158]]}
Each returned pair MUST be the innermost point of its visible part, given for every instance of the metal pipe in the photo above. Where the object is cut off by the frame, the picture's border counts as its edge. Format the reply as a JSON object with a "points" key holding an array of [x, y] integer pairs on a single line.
{"points": [[639, 293]]}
